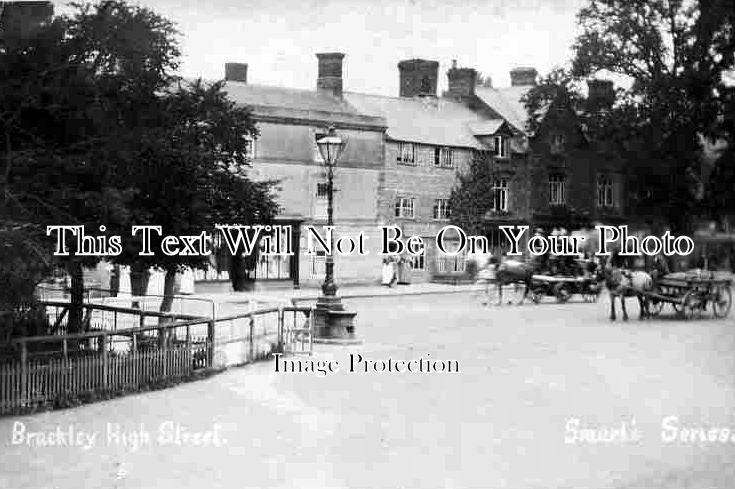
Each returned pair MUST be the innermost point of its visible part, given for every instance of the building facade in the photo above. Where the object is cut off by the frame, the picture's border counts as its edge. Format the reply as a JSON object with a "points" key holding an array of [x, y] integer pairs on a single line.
{"points": [[402, 159], [290, 121]]}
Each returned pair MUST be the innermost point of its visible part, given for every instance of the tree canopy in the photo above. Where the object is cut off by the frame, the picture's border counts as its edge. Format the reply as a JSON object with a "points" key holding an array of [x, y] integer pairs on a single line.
{"points": [[98, 129], [674, 57]]}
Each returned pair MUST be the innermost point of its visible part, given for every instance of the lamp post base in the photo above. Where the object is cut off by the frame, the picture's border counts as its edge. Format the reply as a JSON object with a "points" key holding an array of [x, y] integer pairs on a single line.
{"points": [[332, 323]]}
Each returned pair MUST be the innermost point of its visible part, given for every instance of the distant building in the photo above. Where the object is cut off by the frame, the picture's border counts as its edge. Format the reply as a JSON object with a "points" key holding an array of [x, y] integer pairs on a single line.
{"points": [[402, 160], [290, 121], [571, 180], [427, 142]]}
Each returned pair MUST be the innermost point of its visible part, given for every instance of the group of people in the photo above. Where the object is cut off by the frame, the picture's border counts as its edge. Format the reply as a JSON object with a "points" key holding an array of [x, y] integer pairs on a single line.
{"points": [[395, 271]]}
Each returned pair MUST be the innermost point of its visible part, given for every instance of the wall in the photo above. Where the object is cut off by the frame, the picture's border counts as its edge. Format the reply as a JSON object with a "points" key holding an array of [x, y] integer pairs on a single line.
{"points": [[288, 152]]}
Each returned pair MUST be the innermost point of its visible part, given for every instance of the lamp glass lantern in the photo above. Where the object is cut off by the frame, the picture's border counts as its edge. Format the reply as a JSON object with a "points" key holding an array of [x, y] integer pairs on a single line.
{"points": [[330, 147]]}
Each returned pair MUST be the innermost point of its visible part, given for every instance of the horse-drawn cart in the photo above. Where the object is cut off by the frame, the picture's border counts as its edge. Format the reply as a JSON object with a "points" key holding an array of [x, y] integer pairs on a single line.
{"points": [[563, 287], [690, 293]]}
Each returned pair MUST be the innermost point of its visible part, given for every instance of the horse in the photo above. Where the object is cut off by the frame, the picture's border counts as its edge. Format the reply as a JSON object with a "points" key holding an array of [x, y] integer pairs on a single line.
{"points": [[622, 283], [512, 271]]}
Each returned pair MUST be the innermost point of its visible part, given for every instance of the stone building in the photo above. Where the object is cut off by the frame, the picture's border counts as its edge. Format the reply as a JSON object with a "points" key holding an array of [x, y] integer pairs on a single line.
{"points": [[568, 179], [403, 156], [290, 121], [429, 139]]}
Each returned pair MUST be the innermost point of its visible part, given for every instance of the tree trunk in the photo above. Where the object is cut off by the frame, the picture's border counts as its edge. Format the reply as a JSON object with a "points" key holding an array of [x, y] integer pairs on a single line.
{"points": [[169, 289], [169, 286], [139, 276], [76, 307]]}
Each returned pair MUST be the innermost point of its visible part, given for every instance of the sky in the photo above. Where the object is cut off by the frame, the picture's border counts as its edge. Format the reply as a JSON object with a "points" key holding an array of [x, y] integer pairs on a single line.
{"points": [[278, 39]]}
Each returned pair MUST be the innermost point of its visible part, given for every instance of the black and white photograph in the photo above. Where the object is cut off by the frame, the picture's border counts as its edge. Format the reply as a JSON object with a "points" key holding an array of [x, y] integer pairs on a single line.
{"points": [[347, 244]]}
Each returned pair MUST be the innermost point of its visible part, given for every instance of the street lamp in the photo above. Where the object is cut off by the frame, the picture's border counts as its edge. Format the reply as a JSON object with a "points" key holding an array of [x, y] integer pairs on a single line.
{"points": [[333, 323], [330, 148]]}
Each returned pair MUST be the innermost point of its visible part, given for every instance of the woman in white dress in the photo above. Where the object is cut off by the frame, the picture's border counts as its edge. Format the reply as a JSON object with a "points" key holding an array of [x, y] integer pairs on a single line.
{"points": [[389, 271]]}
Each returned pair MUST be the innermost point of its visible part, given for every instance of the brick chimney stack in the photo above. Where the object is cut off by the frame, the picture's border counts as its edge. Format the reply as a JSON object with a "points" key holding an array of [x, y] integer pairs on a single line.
{"points": [[329, 78], [237, 72], [462, 82], [418, 77], [601, 94], [523, 76]]}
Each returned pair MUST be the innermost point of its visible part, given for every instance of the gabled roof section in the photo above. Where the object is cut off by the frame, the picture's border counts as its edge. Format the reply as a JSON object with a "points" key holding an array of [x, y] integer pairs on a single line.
{"points": [[506, 102], [489, 127], [428, 120], [272, 103]]}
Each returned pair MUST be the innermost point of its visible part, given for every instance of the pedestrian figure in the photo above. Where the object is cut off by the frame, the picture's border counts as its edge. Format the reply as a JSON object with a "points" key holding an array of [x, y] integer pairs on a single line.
{"points": [[389, 271], [487, 279]]}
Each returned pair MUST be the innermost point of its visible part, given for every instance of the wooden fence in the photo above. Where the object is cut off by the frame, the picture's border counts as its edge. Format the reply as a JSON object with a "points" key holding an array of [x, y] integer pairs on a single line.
{"points": [[128, 359]]}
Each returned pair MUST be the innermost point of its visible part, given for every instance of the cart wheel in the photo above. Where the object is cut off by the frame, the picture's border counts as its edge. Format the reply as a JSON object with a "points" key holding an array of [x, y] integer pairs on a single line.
{"points": [[690, 305], [655, 306], [537, 294], [562, 292], [721, 301]]}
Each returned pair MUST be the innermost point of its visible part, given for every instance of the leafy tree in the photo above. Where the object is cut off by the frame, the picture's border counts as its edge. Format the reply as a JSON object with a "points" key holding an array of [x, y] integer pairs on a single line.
{"points": [[673, 54], [97, 129], [472, 196]]}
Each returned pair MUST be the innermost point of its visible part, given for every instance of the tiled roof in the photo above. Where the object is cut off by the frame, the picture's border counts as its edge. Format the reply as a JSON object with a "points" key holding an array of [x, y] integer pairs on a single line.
{"points": [[285, 97], [281, 102], [427, 120], [507, 103]]}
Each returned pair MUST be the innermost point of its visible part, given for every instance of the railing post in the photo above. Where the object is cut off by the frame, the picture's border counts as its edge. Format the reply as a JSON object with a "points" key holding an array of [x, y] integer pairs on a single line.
{"points": [[105, 362], [311, 330], [164, 349], [23, 373], [210, 344], [252, 345], [281, 321]]}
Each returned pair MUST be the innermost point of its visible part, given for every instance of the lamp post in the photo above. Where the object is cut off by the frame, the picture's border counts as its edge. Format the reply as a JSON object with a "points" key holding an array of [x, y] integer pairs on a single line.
{"points": [[332, 322]]}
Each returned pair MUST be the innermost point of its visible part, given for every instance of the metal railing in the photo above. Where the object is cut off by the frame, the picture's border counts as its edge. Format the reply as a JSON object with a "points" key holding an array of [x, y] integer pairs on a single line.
{"points": [[45, 368]]}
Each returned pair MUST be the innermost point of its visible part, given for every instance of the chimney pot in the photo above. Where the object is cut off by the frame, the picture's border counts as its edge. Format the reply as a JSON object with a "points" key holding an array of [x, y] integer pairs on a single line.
{"points": [[523, 76], [237, 72], [418, 77], [462, 82], [329, 78]]}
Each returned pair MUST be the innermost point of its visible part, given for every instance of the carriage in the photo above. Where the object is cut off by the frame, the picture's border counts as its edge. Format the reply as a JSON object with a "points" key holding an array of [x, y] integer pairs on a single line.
{"points": [[691, 293], [564, 286]]}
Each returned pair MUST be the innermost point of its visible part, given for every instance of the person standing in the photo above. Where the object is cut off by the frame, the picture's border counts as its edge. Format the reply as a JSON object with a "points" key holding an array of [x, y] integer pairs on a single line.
{"points": [[389, 271]]}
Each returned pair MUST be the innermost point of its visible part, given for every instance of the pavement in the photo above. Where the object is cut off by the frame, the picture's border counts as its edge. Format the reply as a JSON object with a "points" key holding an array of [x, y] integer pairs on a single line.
{"points": [[540, 393], [344, 291]]}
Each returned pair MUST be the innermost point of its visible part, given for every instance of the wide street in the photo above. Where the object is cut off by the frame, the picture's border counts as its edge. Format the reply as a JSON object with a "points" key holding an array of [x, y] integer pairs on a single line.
{"points": [[529, 376]]}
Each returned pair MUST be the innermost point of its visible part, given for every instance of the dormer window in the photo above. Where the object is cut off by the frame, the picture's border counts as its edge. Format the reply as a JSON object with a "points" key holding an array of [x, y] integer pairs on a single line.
{"points": [[500, 146], [558, 143]]}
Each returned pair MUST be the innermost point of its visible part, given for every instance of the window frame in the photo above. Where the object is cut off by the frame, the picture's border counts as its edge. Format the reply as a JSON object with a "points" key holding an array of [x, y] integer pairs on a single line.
{"points": [[605, 191], [401, 157], [558, 146], [501, 147], [400, 207], [441, 210], [443, 157], [500, 184], [557, 184], [419, 259]]}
